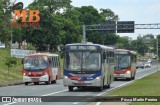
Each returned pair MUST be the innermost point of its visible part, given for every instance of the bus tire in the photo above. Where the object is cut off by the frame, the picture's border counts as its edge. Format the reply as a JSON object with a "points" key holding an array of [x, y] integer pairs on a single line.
{"points": [[48, 82], [99, 89], [108, 86], [36, 83], [133, 76], [70, 88], [54, 81], [26, 83], [129, 79], [115, 79]]}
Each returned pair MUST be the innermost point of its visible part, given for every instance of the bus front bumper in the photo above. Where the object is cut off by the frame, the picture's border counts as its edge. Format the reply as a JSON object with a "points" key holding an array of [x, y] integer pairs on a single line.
{"points": [[90, 83], [43, 78], [122, 75]]}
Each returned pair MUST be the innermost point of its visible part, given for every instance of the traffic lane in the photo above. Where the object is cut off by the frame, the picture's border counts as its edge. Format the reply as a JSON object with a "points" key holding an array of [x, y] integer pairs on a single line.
{"points": [[116, 83], [77, 92], [34, 90]]}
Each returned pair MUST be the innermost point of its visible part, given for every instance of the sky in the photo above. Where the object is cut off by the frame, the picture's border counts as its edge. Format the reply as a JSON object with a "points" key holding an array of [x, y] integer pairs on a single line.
{"points": [[140, 11]]}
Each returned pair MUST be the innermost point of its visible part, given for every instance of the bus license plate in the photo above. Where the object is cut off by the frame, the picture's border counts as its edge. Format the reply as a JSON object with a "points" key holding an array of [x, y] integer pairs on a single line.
{"points": [[35, 79], [81, 82]]}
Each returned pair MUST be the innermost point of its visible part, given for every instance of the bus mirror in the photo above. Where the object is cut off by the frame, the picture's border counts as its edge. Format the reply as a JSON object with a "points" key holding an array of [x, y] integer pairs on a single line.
{"points": [[104, 56], [22, 61], [62, 54], [49, 60]]}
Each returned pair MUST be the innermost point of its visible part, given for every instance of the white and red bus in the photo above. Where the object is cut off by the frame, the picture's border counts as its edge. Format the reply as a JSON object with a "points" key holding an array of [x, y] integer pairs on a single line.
{"points": [[41, 67], [125, 64]]}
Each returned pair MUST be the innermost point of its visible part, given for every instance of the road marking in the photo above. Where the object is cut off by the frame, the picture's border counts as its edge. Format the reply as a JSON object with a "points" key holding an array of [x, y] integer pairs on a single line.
{"points": [[98, 103], [10, 103], [76, 103], [55, 93]]}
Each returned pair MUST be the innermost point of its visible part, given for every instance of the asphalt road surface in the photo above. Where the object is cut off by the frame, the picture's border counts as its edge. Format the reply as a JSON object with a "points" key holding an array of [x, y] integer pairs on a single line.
{"points": [[58, 89]]}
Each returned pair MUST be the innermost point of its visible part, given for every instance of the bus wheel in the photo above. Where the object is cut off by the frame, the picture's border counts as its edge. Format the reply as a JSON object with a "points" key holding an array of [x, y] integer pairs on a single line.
{"points": [[70, 88], [115, 79], [133, 77], [54, 81], [100, 88], [36, 83], [26, 83], [108, 85], [48, 82], [129, 79]]}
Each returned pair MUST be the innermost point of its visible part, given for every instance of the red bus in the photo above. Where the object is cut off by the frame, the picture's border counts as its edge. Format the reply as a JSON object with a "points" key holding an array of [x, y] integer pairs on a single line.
{"points": [[125, 64], [41, 67]]}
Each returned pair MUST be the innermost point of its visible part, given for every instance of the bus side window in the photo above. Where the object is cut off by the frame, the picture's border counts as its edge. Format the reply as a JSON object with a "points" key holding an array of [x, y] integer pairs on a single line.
{"points": [[51, 62], [104, 57], [107, 57], [58, 62]]}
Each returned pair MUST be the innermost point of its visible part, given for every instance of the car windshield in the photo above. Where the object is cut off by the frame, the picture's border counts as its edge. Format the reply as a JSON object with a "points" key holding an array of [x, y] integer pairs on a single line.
{"points": [[78, 61], [122, 61], [35, 62]]}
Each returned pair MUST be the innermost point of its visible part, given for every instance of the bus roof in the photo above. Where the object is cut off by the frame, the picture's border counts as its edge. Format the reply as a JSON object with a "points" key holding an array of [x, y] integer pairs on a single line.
{"points": [[102, 46], [125, 50], [42, 54]]}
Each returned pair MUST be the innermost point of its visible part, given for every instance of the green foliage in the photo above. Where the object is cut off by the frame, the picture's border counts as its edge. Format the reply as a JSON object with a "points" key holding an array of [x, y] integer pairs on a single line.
{"points": [[10, 62]]}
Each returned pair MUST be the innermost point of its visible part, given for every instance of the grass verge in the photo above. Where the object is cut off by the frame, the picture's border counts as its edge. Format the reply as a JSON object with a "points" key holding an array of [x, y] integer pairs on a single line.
{"points": [[147, 86], [14, 72]]}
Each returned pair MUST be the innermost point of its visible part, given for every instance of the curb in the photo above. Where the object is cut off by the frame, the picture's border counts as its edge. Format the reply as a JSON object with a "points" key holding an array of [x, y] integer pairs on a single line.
{"points": [[11, 83]]}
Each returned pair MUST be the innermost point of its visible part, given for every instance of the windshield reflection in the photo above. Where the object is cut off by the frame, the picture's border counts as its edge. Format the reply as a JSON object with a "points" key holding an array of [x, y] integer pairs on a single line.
{"points": [[77, 61], [35, 62], [122, 61]]}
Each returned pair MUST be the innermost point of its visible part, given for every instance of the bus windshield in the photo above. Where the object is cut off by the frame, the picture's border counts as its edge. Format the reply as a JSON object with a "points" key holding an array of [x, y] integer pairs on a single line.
{"points": [[82, 61], [122, 61], [35, 62]]}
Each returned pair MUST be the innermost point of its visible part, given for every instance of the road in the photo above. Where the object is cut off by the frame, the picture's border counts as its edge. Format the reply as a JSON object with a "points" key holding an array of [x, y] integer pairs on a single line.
{"points": [[59, 90]]}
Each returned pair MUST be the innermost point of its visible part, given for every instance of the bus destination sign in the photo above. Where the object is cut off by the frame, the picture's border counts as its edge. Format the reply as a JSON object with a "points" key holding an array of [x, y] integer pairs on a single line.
{"points": [[80, 47], [120, 52]]}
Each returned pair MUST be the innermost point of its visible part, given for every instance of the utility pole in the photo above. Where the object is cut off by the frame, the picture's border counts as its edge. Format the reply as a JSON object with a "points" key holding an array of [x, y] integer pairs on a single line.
{"points": [[84, 34]]}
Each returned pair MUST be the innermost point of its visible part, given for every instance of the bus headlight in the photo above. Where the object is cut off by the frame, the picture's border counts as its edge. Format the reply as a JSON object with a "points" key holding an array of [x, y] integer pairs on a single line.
{"points": [[45, 73], [128, 72], [65, 77], [97, 77], [24, 74]]}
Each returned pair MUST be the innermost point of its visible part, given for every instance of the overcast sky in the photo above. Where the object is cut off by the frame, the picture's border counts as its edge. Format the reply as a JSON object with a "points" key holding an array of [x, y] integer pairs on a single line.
{"points": [[140, 11]]}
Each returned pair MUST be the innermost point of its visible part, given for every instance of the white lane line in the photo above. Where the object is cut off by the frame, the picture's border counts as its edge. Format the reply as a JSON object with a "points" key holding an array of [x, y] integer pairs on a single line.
{"points": [[10, 103], [76, 103], [40, 96], [98, 103], [55, 93]]}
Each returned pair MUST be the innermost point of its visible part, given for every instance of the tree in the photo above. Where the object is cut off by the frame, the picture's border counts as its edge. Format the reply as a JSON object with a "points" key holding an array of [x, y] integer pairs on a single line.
{"points": [[141, 47], [10, 62], [5, 14], [48, 35]]}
